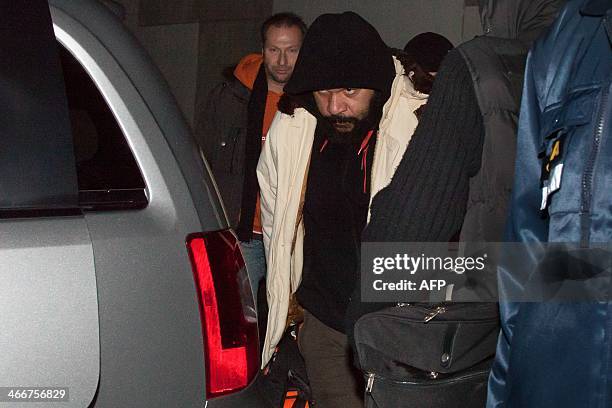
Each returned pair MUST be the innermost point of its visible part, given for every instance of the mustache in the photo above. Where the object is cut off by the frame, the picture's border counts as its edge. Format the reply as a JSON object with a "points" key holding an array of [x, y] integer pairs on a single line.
{"points": [[338, 119]]}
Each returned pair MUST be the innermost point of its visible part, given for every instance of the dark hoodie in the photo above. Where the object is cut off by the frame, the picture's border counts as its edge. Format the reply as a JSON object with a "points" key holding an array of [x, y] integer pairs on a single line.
{"points": [[339, 51], [523, 20]]}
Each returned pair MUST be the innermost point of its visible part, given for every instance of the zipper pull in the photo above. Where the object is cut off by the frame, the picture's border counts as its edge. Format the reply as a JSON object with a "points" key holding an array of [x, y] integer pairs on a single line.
{"points": [[432, 315], [370, 383]]}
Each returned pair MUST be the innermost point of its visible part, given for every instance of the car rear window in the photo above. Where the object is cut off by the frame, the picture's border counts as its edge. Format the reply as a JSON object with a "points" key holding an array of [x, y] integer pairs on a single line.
{"points": [[108, 176]]}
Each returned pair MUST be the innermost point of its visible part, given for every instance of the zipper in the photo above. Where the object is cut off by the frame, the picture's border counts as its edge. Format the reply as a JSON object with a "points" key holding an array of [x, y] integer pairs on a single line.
{"points": [[370, 383], [372, 377], [403, 318], [431, 315], [588, 175]]}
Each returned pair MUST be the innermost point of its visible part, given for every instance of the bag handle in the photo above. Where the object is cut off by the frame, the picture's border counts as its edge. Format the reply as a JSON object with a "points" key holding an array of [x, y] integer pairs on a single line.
{"points": [[446, 360]]}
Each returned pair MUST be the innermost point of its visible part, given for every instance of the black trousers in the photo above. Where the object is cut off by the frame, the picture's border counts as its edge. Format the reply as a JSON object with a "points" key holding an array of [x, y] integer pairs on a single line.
{"points": [[334, 381]]}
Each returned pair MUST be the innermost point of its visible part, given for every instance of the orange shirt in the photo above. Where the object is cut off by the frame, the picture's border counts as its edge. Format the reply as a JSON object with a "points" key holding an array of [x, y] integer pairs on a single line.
{"points": [[246, 72], [271, 108]]}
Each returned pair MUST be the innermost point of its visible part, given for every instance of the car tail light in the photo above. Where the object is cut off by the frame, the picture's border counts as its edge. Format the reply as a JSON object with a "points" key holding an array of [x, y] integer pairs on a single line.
{"points": [[227, 310]]}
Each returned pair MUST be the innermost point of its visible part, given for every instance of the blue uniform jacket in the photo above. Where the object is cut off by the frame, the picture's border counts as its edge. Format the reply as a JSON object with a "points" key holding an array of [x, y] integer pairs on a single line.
{"points": [[560, 354]]}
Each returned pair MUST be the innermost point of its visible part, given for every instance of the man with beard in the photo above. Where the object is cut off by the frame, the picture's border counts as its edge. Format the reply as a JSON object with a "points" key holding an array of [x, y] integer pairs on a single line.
{"points": [[234, 124], [348, 115]]}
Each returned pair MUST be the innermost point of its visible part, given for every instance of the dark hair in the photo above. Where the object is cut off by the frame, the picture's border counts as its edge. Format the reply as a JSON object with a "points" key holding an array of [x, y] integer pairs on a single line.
{"points": [[421, 79], [282, 20], [423, 54]]}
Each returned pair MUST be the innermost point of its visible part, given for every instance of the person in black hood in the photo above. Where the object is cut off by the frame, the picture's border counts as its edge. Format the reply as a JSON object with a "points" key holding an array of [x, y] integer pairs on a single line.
{"points": [[346, 121], [343, 49]]}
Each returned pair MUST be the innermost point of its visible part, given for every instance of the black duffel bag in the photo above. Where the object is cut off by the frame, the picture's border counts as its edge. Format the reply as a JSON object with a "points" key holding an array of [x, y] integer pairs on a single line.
{"points": [[427, 356]]}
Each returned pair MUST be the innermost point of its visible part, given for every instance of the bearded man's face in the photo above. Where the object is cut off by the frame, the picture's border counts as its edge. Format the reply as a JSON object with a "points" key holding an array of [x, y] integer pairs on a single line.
{"points": [[346, 109]]}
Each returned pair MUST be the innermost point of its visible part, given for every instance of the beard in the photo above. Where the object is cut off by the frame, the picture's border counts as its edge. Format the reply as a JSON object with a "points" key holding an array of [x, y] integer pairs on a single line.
{"points": [[352, 136], [356, 128]]}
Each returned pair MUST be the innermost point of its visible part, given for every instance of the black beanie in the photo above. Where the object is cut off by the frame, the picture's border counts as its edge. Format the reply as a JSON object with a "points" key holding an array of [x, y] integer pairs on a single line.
{"points": [[428, 50], [342, 51]]}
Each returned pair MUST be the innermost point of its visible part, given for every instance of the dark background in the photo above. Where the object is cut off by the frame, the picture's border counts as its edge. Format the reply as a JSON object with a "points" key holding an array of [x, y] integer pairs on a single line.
{"points": [[193, 40]]}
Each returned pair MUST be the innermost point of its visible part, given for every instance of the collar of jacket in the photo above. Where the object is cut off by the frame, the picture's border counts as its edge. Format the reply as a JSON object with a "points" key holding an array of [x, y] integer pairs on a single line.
{"points": [[401, 86], [595, 8]]}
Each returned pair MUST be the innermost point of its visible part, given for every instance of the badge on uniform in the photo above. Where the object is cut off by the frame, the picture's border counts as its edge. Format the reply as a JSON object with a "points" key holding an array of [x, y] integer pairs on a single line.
{"points": [[552, 169]]}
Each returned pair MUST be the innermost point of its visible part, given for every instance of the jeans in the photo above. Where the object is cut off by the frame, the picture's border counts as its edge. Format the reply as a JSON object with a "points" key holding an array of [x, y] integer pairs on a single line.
{"points": [[255, 261]]}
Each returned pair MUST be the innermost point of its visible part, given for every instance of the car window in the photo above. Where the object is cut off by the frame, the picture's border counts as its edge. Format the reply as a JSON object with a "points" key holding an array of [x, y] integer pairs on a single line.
{"points": [[37, 169], [108, 176]]}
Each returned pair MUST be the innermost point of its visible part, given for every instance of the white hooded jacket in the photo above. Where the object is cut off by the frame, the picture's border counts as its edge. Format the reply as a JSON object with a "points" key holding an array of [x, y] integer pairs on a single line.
{"points": [[282, 171]]}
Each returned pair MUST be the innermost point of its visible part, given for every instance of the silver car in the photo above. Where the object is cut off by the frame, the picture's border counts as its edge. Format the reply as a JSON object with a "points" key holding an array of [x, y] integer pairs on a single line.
{"points": [[120, 283]]}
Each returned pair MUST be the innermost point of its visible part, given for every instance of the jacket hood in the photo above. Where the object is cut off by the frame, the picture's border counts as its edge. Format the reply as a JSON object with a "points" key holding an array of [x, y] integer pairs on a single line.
{"points": [[523, 20], [400, 88], [247, 69], [400, 84], [342, 51]]}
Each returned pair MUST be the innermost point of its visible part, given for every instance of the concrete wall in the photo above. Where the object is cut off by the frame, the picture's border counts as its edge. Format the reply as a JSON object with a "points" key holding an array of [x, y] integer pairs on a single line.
{"points": [[174, 47], [172, 41], [398, 20], [192, 41]]}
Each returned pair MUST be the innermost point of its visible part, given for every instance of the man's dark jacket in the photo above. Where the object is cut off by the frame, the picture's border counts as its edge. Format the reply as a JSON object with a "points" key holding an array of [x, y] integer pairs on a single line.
{"points": [[557, 354], [221, 133]]}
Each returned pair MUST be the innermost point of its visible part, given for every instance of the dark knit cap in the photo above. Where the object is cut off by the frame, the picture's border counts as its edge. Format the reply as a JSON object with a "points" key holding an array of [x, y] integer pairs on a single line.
{"points": [[428, 50], [342, 51]]}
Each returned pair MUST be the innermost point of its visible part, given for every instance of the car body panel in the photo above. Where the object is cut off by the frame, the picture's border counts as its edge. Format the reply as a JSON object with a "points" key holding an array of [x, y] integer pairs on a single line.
{"points": [[49, 335], [151, 345], [104, 302], [149, 320]]}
